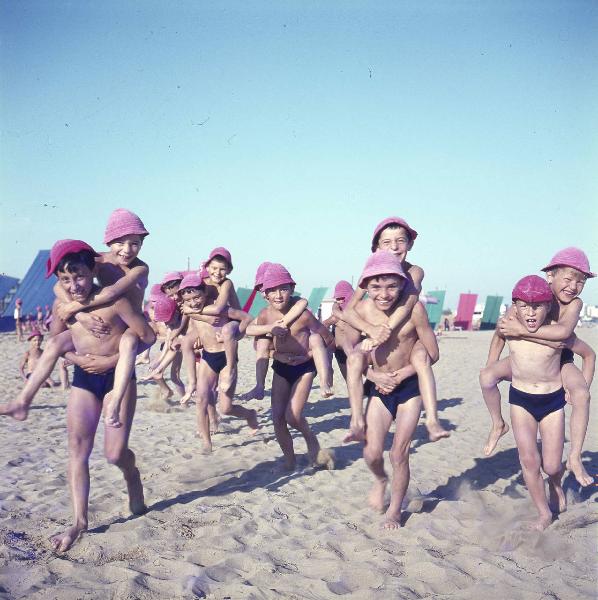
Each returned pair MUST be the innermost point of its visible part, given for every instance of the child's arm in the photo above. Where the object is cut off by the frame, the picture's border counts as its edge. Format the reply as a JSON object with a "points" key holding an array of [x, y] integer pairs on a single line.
{"points": [[294, 312], [107, 294], [239, 315], [23, 364], [588, 356], [558, 332], [224, 298], [316, 327], [177, 330], [330, 321], [257, 327], [350, 315], [93, 363], [135, 321]]}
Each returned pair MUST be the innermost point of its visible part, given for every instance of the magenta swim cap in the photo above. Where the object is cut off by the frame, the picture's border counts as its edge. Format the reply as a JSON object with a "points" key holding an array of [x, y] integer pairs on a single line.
{"points": [[571, 257], [532, 289], [123, 222], [222, 253], [381, 263], [276, 275], [391, 221], [164, 309], [259, 275], [192, 280], [63, 247], [343, 290]]}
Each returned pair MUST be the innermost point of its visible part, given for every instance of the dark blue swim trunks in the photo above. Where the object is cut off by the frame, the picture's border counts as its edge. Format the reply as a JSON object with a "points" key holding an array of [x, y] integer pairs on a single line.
{"points": [[293, 372], [566, 356], [341, 356], [215, 360], [407, 389], [538, 405], [99, 384]]}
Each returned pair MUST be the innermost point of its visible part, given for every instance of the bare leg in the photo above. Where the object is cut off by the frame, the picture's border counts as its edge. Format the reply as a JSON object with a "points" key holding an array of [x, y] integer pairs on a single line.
{"points": [[356, 365], [575, 383], [175, 373], [190, 365], [125, 367], [323, 364], [489, 380], [83, 414], [262, 357], [281, 391], [378, 420], [525, 430], [117, 451], [206, 382], [19, 408], [552, 432], [407, 418], [64, 375], [228, 376], [225, 402], [143, 358], [427, 385]]}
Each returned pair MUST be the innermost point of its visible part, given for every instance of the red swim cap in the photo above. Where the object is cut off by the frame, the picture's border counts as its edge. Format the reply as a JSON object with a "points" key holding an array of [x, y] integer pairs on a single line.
{"points": [[532, 289]]}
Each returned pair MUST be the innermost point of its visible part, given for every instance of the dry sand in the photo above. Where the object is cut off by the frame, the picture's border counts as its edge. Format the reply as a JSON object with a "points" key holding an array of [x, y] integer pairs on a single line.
{"points": [[230, 526]]}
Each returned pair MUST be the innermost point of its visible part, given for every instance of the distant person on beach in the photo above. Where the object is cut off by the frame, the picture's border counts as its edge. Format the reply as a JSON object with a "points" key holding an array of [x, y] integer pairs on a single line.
{"points": [[392, 384], [537, 399], [566, 273], [293, 365], [264, 347], [203, 377], [39, 318], [73, 262], [394, 235], [32, 355], [18, 315]]}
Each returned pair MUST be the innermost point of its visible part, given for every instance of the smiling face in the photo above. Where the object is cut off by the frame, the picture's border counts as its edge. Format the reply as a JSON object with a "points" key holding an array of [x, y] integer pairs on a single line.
{"points": [[385, 290], [566, 283], [218, 269], [395, 239], [532, 314], [35, 342], [171, 288], [194, 298], [76, 280], [280, 296], [125, 249]]}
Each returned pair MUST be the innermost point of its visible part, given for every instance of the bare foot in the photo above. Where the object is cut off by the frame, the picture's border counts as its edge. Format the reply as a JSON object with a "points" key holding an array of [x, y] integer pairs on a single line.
{"points": [[557, 500], [495, 434], [325, 458], [142, 361], [392, 520], [376, 495], [252, 422], [436, 431], [206, 447], [135, 490], [111, 411], [541, 523], [16, 410], [185, 399], [179, 387], [63, 541], [576, 467], [326, 391], [257, 392]]}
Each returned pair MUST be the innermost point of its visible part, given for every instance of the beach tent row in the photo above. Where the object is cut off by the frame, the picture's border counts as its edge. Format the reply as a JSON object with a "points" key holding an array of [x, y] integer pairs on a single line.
{"points": [[34, 290]]}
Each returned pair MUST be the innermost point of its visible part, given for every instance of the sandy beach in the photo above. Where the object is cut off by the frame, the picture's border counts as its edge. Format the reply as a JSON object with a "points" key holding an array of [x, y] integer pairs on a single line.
{"points": [[230, 525]]}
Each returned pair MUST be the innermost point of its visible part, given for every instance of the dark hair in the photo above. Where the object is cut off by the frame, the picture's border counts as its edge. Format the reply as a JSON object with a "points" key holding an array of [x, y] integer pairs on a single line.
{"points": [[68, 263], [196, 288], [170, 284], [221, 258]]}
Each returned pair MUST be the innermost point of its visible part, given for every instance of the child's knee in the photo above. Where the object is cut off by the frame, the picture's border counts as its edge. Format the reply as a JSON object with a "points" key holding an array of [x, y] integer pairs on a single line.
{"points": [[399, 455], [293, 419], [580, 396], [530, 461], [79, 449], [356, 360], [316, 341], [230, 331], [420, 357], [552, 467], [372, 453], [487, 378]]}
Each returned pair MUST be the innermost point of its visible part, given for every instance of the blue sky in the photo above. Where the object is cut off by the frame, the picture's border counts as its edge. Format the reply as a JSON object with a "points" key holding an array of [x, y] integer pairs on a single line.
{"points": [[287, 131]]}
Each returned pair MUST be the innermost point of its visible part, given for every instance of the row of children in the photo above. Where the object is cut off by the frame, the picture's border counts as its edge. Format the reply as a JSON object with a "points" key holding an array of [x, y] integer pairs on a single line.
{"points": [[101, 330]]}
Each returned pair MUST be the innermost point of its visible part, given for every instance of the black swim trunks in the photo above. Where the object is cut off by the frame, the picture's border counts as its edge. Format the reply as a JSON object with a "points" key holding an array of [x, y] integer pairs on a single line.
{"points": [[566, 356], [538, 405], [215, 360], [293, 372], [407, 389], [99, 384], [341, 356]]}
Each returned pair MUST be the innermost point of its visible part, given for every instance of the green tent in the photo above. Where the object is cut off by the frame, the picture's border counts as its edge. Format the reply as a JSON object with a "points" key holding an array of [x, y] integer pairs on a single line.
{"points": [[435, 310], [315, 299], [491, 312]]}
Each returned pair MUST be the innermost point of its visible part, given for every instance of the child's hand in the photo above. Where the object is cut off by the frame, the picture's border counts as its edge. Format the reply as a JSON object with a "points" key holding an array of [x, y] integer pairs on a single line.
{"points": [[93, 363], [385, 382], [379, 334], [511, 327], [279, 329], [67, 310], [367, 345], [93, 324], [356, 430]]}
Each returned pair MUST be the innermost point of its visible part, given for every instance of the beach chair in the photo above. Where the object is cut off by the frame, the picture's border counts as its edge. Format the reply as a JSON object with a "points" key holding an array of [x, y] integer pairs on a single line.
{"points": [[435, 310], [464, 318], [491, 312]]}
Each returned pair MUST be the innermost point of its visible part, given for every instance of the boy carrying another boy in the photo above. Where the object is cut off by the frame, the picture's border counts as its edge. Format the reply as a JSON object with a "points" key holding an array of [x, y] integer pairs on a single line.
{"points": [[73, 262], [537, 398], [214, 360], [293, 366], [392, 383], [567, 273]]}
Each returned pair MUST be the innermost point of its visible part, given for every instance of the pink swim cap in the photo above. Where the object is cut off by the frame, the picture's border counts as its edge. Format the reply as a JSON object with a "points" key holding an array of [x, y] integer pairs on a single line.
{"points": [[571, 257], [343, 290], [259, 275], [123, 222], [18, 301], [532, 289], [193, 280], [381, 263], [222, 253], [391, 221], [170, 277], [276, 275], [63, 247], [155, 293], [35, 333], [164, 309]]}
